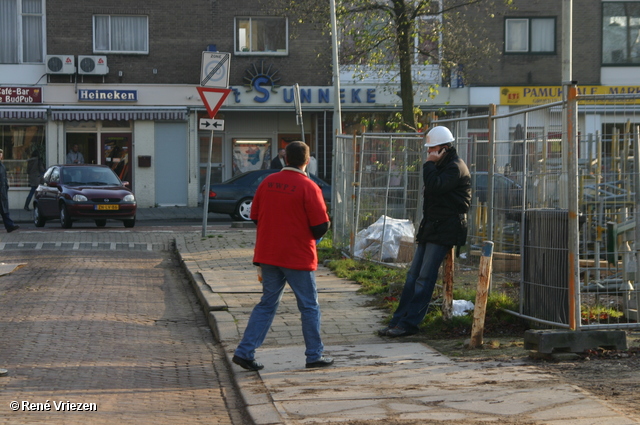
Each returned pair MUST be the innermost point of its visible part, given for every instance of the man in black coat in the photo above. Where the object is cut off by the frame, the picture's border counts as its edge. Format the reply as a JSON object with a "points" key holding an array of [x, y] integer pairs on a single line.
{"points": [[447, 198], [278, 162], [4, 198]]}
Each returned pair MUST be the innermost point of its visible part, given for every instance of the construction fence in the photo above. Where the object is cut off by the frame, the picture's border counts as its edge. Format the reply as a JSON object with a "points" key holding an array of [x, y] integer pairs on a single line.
{"points": [[553, 188]]}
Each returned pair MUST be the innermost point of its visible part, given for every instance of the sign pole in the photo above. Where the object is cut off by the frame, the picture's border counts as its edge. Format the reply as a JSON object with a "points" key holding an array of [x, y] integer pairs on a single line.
{"points": [[205, 197], [298, 105], [214, 81]]}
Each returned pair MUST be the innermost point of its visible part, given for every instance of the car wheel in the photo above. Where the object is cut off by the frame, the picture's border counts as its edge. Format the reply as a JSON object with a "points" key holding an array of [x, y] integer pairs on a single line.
{"points": [[101, 222], [38, 219], [65, 220], [243, 209], [129, 223]]}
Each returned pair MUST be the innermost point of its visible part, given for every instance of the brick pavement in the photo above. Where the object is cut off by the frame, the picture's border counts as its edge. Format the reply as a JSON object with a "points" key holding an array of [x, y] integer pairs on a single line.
{"points": [[121, 330]]}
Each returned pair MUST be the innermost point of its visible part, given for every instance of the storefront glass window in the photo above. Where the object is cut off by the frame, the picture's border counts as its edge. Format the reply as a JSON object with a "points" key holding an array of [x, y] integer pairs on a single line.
{"points": [[250, 154], [18, 142]]}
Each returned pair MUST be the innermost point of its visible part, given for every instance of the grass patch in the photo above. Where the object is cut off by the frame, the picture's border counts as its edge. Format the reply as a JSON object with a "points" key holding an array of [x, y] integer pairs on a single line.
{"points": [[599, 313], [385, 284]]}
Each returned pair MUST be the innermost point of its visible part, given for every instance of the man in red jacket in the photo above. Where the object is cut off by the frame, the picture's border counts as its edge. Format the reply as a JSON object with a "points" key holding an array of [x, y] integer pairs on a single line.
{"points": [[287, 253]]}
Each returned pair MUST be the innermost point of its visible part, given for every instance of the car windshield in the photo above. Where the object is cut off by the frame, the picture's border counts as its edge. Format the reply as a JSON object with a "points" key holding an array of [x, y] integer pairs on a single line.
{"points": [[245, 178], [97, 176]]}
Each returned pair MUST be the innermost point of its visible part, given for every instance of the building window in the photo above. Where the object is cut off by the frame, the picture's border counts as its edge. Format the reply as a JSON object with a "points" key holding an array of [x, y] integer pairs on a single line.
{"points": [[19, 141], [265, 35], [120, 34], [530, 35], [21, 31], [621, 33]]}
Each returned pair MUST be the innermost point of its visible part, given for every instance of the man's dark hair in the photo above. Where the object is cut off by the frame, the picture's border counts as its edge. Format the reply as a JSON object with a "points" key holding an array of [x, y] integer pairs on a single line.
{"points": [[297, 154]]}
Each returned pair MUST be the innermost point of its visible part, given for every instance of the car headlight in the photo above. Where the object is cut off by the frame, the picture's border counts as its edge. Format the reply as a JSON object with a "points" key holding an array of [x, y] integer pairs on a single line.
{"points": [[79, 198], [129, 198]]}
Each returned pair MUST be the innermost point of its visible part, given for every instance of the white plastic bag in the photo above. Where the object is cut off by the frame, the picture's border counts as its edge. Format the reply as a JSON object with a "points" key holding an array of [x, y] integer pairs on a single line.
{"points": [[461, 307], [385, 234]]}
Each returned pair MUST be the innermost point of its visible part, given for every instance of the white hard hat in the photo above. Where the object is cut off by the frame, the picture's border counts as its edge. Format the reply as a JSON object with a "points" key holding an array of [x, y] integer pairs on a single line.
{"points": [[438, 136]]}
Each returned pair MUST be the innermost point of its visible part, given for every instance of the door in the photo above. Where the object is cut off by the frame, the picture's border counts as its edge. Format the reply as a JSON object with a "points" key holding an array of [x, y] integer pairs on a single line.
{"points": [[47, 196], [116, 153], [171, 164]]}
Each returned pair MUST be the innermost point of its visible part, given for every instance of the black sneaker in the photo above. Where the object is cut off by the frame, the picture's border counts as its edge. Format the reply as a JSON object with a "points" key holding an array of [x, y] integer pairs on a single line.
{"points": [[383, 331], [398, 332], [247, 364], [12, 228], [321, 362]]}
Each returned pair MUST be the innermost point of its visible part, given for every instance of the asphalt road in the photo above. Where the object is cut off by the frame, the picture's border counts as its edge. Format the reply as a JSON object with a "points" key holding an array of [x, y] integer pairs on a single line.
{"points": [[104, 320]]}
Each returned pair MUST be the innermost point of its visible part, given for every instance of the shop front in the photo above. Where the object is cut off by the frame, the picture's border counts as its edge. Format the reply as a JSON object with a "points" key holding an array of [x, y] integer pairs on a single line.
{"points": [[150, 136]]}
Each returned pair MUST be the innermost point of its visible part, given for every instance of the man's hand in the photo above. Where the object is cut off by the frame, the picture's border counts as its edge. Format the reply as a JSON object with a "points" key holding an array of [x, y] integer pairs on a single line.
{"points": [[436, 155]]}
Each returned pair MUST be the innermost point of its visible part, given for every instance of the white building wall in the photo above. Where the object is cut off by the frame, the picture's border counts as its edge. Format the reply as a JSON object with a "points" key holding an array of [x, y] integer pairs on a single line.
{"points": [[144, 177]]}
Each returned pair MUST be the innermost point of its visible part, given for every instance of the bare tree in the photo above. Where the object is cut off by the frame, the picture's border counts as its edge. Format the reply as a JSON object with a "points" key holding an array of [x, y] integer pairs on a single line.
{"points": [[402, 40]]}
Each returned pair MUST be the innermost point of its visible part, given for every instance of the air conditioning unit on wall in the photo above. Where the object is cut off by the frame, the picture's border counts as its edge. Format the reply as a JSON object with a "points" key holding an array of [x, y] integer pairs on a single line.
{"points": [[60, 64], [92, 65]]}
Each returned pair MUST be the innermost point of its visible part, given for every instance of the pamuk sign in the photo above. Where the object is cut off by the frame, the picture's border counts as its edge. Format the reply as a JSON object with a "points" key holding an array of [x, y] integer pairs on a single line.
{"points": [[107, 95]]}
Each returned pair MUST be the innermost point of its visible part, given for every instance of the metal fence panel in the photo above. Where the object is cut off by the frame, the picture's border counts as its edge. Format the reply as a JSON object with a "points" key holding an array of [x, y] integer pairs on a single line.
{"points": [[379, 176], [528, 171]]}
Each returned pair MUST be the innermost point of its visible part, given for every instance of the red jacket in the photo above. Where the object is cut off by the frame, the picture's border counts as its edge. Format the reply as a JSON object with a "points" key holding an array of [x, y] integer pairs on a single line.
{"points": [[286, 205]]}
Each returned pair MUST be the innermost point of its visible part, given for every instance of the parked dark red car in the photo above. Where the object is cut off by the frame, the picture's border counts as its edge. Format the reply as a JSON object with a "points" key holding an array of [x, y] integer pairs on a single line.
{"points": [[75, 192]]}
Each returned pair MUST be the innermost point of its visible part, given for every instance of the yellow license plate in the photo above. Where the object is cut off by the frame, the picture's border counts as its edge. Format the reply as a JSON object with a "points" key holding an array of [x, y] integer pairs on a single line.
{"points": [[107, 207]]}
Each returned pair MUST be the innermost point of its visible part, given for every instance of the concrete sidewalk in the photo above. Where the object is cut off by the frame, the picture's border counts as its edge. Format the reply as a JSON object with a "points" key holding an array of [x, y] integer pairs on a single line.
{"points": [[374, 380]]}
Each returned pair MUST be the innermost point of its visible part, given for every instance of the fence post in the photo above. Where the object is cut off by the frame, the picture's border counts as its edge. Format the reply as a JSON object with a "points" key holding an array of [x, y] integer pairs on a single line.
{"points": [[447, 286], [491, 163], [573, 208], [636, 182], [480, 310]]}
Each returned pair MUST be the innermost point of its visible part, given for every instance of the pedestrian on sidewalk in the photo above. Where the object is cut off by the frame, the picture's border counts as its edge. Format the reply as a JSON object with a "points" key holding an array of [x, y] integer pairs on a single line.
{"points": [[4, 198], [290, 215], [447, 198], [278, 162], [35, 170]]}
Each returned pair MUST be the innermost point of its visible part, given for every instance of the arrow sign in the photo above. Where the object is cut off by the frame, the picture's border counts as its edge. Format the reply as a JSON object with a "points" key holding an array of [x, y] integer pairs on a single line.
{"points": [[213, 98], [206, 124]]}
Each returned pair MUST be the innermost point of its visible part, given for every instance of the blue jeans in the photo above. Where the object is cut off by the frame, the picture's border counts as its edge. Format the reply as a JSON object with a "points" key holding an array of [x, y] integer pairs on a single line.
{"points": [[303, 284], [31, 192], [6, 220], [418, 288]]}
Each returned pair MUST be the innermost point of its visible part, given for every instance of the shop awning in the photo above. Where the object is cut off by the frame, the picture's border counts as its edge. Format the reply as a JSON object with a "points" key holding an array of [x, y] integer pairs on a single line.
{"points": [[23, 113], [116, 114]]}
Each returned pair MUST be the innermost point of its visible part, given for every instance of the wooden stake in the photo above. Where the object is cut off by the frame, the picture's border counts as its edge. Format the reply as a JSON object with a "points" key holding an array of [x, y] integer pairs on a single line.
{"points": [[447, 286], [480, 310]]}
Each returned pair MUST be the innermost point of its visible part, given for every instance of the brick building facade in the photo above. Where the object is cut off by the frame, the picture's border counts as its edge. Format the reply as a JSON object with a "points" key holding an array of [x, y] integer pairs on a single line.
{"points": [[153, 51]]}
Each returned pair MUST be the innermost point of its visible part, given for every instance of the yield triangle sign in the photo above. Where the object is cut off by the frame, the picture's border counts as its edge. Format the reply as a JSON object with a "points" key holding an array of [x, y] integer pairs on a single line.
{"points": [[213, 98]]}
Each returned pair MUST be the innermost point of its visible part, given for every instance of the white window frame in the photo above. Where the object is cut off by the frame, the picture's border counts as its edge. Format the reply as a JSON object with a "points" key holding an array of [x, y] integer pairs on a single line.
{"points": [[527, 49], [250, 51], [19, 36], [109, 49]]}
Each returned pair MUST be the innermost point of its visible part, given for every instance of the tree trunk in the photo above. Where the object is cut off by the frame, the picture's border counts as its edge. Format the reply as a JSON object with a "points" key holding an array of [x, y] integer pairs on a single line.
{"points": [[404, 26]]}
